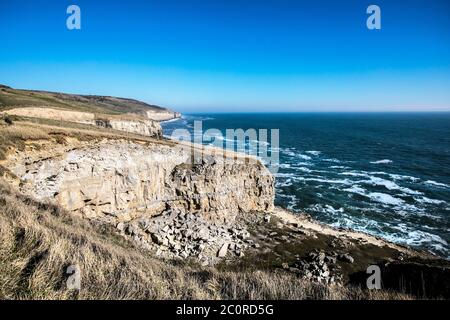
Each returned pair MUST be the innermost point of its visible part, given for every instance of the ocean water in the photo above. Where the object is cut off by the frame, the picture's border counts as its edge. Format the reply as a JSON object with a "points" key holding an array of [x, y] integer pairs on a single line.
{"points": [[383, 174]]}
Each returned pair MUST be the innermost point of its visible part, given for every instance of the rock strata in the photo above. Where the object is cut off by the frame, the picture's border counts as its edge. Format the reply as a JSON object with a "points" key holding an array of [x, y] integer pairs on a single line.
{"points": [[119, 181], [152, 194], [142, 126]]}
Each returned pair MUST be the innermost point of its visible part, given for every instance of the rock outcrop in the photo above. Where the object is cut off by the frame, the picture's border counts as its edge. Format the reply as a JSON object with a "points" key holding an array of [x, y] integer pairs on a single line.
{"points": [[130, 124], [121, 180], [143, 127], [162, 115], [152, 193]]}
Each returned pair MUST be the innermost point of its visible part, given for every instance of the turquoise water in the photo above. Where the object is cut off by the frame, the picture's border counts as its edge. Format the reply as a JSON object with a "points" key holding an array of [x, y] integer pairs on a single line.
{"points": [[384, 174]]}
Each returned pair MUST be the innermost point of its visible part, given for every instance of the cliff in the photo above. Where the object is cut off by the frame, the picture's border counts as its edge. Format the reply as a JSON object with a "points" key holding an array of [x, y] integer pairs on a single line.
{"points": [[17, 98], [122, 114], [122, 123], [128, 181], [120, 180]]}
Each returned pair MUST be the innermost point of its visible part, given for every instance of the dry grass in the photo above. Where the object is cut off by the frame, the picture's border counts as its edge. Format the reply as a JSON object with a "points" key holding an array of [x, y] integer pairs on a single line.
{"points": [[38, 241], [25, 130], [15, 98]]}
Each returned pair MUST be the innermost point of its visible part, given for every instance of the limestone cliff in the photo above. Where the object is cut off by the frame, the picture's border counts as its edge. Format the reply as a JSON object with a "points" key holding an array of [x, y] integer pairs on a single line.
{"points": [[140, 126], [162, 115], [120, 180], [127, 123]]}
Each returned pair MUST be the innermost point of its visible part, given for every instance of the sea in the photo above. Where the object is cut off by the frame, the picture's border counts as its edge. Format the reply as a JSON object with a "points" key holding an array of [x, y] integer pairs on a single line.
{"points": [[385, 174]]}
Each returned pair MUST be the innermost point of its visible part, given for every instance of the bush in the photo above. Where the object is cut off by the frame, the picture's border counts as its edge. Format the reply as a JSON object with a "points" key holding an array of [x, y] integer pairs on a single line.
{"points": [[8, 119]]}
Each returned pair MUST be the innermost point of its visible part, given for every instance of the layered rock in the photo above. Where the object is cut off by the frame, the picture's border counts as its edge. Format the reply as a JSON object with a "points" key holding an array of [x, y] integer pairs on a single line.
{"points": [[126, 123], [162, 115], [122, 180], [142, 127]]}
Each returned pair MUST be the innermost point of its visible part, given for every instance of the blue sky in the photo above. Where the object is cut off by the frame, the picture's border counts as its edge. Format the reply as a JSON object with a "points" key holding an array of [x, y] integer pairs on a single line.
{"points": [[228, 56]]}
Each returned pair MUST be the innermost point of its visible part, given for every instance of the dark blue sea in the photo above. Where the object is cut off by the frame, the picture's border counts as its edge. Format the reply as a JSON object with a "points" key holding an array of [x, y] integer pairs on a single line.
{"points": [[383, 174]]}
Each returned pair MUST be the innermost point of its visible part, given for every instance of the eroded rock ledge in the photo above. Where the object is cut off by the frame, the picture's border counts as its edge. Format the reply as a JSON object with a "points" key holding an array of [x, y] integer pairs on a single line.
{"points": [[127, 123], [133, 185]]}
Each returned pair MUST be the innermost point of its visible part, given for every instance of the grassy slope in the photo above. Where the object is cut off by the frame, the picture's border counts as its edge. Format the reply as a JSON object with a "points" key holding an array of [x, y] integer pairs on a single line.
{"points": [[23, 131], [38, 241], [14, 98]]}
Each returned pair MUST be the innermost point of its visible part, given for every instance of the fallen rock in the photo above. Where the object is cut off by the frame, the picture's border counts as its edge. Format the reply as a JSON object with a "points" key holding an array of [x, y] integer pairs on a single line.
{"points": [[121, 226], [346, 258], [223, 251]]}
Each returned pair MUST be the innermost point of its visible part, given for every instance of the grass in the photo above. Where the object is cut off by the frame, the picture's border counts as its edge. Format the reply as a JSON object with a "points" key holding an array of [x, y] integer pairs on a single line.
{"points": [[16, 133], [25, 130], [14, 98], [39, 240]]}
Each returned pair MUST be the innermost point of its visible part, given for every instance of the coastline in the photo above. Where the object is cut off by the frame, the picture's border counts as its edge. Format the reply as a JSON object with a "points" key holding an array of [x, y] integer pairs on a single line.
{"points": [[217, 214], [360, 192]]}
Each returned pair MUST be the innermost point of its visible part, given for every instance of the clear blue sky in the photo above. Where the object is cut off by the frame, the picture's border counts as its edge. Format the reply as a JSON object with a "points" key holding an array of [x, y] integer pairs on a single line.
{"points": [[228, 55]]}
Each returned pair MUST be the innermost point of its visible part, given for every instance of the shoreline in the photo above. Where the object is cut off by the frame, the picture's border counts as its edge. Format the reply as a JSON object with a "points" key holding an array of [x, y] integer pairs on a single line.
{"points": [[401, 237], [171, 120]]}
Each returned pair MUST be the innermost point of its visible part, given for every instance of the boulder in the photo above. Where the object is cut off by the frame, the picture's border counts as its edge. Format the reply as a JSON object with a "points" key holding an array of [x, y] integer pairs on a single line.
{"points": [[223, 251]]}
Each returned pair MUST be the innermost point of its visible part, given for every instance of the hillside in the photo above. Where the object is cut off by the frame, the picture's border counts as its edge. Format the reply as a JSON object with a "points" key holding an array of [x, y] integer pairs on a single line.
{"points": [[15, 98], [38, 241]]}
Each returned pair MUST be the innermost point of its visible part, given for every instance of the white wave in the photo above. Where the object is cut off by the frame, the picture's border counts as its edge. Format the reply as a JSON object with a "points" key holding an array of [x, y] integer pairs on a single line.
{"points": [[314, 153], [385, 198], [437, 184], [303, 164], [303, 156], [332, 160], [284, 175], [384, 161], [395, 176], [404, 235], [414, 237], [292, 152], [402, 177], [291, 202], [338, 167], [163, 122], [326, 209], [390, 185], [340, 181], [355, 174], [429, 201], [356, 189], [281, 184]]}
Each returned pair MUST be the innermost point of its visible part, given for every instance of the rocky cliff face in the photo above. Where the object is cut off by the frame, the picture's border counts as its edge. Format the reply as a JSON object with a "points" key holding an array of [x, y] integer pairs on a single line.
{"points": [[118, 181], [142, 126], [162, 115]]}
